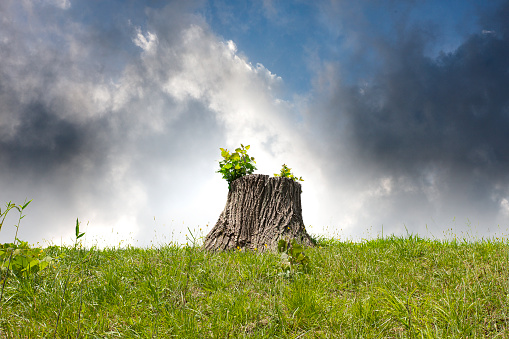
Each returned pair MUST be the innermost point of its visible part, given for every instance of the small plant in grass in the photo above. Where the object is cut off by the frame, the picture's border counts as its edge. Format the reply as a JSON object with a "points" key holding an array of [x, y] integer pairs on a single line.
{"points": [[76, 242], [293, 258], [18, 257], [236, 165], [25, 260], [9, 207], [286, 173]]}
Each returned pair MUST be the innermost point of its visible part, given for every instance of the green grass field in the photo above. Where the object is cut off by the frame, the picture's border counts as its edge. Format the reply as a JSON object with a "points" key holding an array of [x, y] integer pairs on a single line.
{"points": [[385, 288]]}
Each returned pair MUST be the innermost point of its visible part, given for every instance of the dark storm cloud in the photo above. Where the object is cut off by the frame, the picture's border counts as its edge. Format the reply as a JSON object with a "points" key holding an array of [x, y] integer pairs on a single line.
{"points": [[452, 111], [429, 132], [43, 94], [42, 140], [60, 74]]}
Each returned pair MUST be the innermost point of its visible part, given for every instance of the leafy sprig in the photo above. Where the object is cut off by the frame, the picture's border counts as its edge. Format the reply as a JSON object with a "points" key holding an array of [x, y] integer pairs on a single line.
{"points": [[236, 165], [18, 257], [293, 258], [25, 260], [286, 173]]}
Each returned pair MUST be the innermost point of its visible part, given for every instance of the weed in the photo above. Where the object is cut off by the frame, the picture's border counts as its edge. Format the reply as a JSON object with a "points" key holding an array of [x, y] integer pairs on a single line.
{"points": [[18, 257], [77, 237], [293, 259], [286, 173], [23, 260]]}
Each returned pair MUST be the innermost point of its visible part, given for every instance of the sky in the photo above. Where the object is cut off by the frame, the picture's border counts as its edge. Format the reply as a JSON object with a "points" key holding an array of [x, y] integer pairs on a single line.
{"points": [[395, 113]]}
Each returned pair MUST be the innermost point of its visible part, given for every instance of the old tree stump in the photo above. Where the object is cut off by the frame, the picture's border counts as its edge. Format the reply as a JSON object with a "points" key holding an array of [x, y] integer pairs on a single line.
{"points": [[260, 210]]}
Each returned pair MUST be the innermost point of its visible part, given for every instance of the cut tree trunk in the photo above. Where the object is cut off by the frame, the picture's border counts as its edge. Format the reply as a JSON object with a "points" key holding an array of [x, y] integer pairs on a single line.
{"points": [[259, 212]]}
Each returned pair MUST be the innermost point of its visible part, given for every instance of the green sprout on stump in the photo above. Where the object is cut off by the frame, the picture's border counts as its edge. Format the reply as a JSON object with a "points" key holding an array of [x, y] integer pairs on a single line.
{"points": [[236, 165], [285, 173]]}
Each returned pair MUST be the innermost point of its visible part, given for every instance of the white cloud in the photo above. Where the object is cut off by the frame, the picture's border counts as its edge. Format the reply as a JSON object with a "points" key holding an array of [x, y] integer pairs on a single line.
{"points": [[231, 46], [147, 42], [204, 68]]}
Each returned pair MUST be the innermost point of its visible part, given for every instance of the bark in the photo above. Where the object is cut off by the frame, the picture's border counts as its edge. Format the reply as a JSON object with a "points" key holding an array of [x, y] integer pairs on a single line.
{"points": [[259, 211]]}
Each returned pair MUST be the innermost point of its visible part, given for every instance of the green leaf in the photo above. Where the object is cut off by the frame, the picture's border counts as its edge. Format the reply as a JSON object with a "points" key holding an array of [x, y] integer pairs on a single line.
{"points": [[237, 167], [25, 205], [224, 153], [281, 245], [33, 263], [77, 228], [43, 265], [228, 166], [296, 248]]}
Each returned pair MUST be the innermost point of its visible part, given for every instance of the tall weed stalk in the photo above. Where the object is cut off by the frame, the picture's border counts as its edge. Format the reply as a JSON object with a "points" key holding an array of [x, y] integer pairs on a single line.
{"points": [[76, 242], [3, 215]]}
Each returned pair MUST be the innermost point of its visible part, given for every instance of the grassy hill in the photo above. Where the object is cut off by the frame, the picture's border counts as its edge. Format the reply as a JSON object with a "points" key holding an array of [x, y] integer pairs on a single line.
{"points": [[384, 288]]}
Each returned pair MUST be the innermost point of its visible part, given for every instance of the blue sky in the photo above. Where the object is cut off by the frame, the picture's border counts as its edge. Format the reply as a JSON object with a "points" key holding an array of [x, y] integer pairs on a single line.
{"points": [[290, 37], [282, 36], [394, 112]]}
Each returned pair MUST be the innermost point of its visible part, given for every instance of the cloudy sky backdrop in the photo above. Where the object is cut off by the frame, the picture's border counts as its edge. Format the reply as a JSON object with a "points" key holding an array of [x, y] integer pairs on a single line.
{"points": [[396, 114]]}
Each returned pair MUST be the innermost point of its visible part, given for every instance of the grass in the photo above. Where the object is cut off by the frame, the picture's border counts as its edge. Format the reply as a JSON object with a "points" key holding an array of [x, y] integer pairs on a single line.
{"points": [[397, 287]]}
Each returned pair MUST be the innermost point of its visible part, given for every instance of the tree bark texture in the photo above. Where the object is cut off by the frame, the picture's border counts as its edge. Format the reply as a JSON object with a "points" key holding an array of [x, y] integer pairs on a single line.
{"points": [[260, 210]]}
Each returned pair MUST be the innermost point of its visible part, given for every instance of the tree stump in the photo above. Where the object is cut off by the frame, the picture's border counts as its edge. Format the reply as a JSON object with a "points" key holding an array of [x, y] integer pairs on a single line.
{"points": [[259, 212]]}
